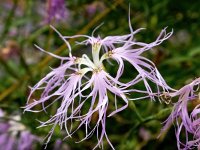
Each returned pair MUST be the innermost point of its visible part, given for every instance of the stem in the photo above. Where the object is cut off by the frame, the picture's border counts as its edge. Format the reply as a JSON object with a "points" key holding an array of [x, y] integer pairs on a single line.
{"points": [[160, 115], [9, 69], [8, 22], [23, 62], [21, 51], [134, 108]]}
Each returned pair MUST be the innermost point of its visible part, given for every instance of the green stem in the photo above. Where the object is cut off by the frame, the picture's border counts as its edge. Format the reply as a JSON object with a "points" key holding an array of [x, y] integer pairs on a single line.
{"points": [[22, 59], [9, 69], [160, 115], [134, 108], [8, 22], [23, 63]]}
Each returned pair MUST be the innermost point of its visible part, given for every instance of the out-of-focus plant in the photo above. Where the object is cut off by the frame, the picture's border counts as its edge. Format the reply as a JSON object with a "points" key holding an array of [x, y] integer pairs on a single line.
{"points": [[57, 10], [14, 134]]}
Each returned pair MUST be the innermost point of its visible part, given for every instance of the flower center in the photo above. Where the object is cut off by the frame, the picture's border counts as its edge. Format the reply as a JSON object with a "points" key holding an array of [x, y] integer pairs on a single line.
{"points": [[95, 53]]}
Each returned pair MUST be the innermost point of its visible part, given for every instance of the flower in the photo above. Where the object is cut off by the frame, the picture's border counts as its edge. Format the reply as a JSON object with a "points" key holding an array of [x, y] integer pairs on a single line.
{"points": [[186, 121], [57, 10], [92, 8], [14, 135], [146, 68], [81, 85]]}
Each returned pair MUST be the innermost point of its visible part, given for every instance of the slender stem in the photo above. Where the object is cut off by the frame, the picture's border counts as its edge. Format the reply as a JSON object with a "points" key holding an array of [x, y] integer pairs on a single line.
{"points": [[13, 87], [160, 115], [23, 62], [134, 108], [9, 69], [21, 56], [8, 21], [49, 39]]}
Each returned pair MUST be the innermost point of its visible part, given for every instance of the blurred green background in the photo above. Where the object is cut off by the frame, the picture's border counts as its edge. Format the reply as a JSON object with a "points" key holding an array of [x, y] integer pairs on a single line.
{"points": [[23, 23]]}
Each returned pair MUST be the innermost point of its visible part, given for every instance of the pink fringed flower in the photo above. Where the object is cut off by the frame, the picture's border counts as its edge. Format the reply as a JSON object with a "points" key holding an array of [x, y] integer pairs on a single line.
{"points": [[186, 121], [146, 69], [81, 82]]}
